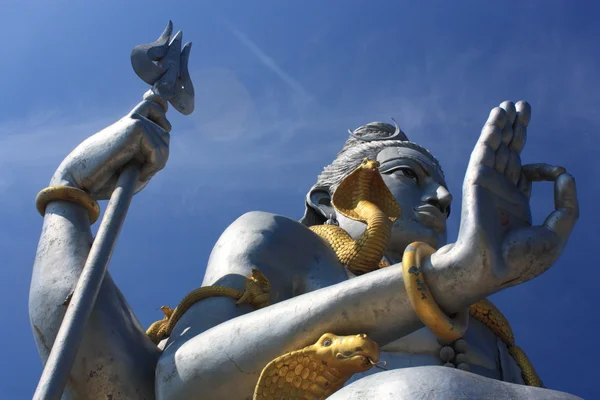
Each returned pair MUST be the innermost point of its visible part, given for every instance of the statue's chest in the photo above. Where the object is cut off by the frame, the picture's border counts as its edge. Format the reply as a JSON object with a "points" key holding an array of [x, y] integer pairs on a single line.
{"points": [[482, 353]]}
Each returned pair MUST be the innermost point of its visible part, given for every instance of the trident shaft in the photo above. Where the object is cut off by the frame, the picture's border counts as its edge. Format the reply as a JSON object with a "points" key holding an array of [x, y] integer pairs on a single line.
{"points": [[170, 79]]}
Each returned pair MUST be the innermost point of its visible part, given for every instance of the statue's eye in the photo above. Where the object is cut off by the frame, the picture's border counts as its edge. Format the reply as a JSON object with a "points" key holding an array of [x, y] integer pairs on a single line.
{"points": [[326, 342], [407, 172]]}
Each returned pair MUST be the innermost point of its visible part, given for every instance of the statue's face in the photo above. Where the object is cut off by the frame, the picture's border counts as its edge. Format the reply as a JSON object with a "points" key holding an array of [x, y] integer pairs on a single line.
{"points": [[420, 190]]}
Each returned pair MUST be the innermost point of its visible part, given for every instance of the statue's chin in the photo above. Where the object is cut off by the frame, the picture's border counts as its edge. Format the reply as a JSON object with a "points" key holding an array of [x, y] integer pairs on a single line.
{"points": [[405, 232]]}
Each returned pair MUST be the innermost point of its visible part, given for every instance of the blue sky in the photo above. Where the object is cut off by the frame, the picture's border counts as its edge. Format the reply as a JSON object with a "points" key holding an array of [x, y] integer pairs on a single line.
{"points": [[277, 86]]}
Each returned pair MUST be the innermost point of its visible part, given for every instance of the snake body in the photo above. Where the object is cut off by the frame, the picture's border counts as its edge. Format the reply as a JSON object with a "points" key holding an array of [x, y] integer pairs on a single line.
{"points": [[256, 292], [362, 196], [487, 313], [316, 371]]}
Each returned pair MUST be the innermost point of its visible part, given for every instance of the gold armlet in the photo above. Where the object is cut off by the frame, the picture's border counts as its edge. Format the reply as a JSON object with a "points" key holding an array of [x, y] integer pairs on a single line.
{"points": [[67, 193], [443, 326]]}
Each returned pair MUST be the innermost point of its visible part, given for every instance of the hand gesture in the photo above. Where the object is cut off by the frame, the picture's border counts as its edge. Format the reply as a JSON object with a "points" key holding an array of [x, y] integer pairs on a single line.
{"points": [[496, 236], [142, 136]]}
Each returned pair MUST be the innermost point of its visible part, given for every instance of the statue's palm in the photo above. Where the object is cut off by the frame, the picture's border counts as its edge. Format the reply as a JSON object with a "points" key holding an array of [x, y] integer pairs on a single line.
{"points": [[496, 231]]}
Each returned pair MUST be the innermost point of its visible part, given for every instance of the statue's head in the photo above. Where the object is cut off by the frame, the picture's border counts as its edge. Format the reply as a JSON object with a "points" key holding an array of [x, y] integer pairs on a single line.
{"points": [[412, 175]]}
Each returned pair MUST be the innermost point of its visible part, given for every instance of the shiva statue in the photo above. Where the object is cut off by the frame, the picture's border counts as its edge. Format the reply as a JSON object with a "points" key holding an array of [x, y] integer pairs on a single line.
{"points": [[363, 298]]}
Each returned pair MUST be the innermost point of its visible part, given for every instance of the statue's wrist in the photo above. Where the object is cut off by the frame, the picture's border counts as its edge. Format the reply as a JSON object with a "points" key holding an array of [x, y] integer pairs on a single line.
{"points": [[63, 195], [454, 279]]}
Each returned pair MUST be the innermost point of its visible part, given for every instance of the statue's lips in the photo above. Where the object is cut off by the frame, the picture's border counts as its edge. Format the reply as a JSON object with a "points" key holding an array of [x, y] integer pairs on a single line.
{"points": [[431, 216]]}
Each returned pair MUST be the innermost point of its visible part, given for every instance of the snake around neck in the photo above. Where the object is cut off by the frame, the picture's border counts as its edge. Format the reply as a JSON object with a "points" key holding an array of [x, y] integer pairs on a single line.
{"points": [[317, 371], [362, 196]]}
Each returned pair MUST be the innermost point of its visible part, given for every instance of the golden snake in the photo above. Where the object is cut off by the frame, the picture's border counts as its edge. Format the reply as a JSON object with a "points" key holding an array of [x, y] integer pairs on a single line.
{"points": [[363, 196], [256, 292], [487, 313], [316, 371]]}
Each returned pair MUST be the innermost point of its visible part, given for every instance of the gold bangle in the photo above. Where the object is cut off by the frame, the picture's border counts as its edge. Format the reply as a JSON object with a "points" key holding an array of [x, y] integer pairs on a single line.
{"points": [[443, 326], [67, 193]]}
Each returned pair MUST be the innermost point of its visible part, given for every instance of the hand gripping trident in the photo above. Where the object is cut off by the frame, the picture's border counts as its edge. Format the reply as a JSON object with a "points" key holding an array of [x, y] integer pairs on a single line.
{"points": [[170, 79]]}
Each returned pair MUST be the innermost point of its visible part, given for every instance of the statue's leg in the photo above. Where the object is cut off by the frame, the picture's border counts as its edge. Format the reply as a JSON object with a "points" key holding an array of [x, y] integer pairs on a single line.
{"points": [[440, 383]]}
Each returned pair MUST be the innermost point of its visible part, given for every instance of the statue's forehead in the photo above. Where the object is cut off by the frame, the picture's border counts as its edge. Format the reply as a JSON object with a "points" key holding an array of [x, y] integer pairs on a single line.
{"points": [[390, 154]]}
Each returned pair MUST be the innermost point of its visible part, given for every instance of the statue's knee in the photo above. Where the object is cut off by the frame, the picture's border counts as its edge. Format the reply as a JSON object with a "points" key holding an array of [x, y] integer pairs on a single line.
{"points": [[435, 382]]}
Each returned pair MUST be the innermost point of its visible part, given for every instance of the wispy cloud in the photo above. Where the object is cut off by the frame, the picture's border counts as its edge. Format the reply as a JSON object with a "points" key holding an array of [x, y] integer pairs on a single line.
{"points": [[269, 62]]}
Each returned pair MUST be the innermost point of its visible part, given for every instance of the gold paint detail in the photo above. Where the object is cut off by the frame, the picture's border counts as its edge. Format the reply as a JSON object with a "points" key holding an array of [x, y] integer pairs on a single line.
{"points": [[70, 194], [451, 329], [316, 371], [488, 314], [425, 306], [528, 372], [362, 196], [257, 292]]}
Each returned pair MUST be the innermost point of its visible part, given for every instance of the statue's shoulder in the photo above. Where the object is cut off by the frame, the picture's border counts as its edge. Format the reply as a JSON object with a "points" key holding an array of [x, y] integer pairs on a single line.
{"points": [[294, 259]]}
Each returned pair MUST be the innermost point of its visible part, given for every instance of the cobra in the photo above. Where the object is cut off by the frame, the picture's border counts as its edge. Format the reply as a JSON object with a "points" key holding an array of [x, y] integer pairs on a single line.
{"points": [[363, 196], [317, 371]]}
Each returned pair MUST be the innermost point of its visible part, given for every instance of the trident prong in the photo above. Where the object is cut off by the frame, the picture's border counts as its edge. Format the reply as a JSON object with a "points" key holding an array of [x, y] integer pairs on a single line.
{"points": [[164, 65]]}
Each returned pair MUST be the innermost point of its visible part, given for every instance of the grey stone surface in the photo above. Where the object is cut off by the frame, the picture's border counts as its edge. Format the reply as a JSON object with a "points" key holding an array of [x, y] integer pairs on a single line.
{"points": [[438, 383], [217, 349]]}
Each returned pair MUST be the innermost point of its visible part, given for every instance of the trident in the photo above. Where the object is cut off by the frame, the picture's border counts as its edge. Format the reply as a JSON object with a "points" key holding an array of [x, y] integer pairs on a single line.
{"points": [[163, 65]]}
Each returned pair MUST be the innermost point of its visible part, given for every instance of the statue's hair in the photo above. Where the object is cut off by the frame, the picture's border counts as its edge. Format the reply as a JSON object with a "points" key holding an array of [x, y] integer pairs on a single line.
{"points": [[355, 150]]}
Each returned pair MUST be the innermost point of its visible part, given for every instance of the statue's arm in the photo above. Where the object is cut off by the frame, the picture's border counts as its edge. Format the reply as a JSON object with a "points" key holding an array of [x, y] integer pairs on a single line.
{"points": [[115, 356], [203, 359], [115, 359], [497, 247]]}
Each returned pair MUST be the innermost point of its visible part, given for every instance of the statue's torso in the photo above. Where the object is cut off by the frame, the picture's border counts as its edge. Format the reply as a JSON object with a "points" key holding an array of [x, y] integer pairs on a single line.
{"points": [[297, 261]]}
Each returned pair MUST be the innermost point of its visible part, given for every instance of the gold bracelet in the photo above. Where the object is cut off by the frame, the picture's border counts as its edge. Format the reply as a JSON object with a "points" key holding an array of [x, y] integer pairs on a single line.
{"points": [[67, 193], [443, 326]]}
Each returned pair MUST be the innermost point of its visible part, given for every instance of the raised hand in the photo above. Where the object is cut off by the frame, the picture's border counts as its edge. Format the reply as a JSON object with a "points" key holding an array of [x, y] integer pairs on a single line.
{"points": [[141, 136], [496, 236]]}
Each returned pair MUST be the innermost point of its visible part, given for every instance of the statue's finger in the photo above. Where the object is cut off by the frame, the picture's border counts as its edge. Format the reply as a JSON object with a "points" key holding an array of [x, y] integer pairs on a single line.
{"points": [[513, 168], [542, 172], [154, 111], [497, 117], [563, 218], [154, 150], [482, 155], [511, 113], [524, 185], [501, 158], [491, 133], [484, 152], [519, 137], [523, 113], [530, 251], [507, 134]]}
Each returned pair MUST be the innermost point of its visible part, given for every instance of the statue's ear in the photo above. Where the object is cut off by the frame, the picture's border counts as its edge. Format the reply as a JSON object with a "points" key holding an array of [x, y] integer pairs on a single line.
{"points": [[318, 207]]}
